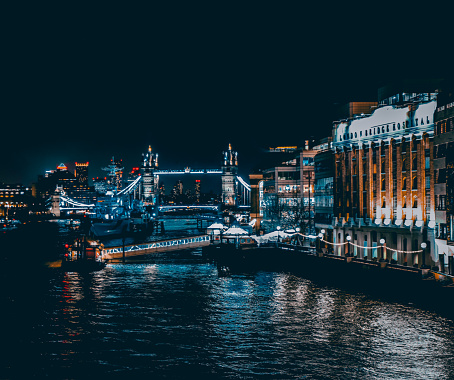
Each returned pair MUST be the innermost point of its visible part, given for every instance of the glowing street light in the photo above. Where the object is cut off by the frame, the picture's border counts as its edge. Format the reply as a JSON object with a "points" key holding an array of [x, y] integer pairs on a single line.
{"points": [[383, 247], [423, 246]]}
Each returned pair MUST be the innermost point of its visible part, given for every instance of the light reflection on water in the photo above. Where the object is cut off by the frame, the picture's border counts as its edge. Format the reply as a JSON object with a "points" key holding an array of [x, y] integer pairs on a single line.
{"points": [[181, 320]]}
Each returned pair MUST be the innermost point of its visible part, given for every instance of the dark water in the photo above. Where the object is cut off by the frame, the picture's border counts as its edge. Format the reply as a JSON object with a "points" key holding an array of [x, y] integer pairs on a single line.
{"points": [[184, 322]]}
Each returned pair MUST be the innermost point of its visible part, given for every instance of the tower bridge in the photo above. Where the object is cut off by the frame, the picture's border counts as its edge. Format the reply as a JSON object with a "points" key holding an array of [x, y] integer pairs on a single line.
{"points": [[235, 191]]}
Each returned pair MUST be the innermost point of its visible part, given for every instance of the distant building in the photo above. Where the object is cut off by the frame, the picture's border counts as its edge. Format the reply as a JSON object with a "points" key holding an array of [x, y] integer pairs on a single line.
{"points": [[12, 198], [197, 190]]}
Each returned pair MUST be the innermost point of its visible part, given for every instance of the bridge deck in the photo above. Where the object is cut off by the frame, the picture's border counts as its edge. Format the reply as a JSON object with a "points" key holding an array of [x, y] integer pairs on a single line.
{"points": [[134, 250]]}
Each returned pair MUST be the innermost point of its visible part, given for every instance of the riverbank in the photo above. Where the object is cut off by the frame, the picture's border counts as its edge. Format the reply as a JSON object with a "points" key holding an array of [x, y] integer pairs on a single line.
{"points": [[406, 285]]}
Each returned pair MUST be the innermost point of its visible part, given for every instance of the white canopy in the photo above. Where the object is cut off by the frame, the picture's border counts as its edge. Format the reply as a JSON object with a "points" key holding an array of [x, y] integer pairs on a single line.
{"points": [[216, 226], [236, 231]]}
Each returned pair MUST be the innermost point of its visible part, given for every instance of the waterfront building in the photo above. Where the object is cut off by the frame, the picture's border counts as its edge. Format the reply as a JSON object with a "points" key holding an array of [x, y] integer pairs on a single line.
{"points": [[13, 197], [229, 181], [383, 178], [282, 194], [323, 187], [443, 153]]}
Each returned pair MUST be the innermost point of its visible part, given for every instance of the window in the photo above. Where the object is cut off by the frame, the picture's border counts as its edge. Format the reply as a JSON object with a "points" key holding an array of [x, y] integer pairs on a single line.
{"points": [[404, 165], [415, 183], [428, 182], [404, 183], [414, 164], [383, 184], [427, 165], [415, 202], [404, 202]]}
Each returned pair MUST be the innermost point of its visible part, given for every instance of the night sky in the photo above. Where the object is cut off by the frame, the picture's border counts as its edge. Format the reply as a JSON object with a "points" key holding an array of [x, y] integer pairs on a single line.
{"points": [[89, 84]]}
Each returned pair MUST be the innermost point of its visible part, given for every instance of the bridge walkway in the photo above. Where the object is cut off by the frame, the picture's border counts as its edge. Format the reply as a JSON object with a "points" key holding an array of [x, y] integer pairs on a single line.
{"points": [[135, 250]]}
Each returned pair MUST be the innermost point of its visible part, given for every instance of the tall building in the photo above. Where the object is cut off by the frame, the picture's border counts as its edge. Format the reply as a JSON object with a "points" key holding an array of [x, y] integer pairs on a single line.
{"points": [[323, 187], [114, 174], [229, 180], [383, 179], [197, 190], [81, 173], [149, 185], [443, 154]]}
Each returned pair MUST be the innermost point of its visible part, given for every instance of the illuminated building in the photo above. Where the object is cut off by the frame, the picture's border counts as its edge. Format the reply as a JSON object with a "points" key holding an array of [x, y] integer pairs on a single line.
{"points": [[229, 181], [60, 178], [197, 190], [282, 194], [12, 198], [383, 178], [81, 173], [323, 187], [149, 186], [444, 177], [114, 175]]}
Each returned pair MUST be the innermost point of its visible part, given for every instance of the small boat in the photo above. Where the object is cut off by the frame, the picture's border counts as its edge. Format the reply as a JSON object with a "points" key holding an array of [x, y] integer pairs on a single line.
{"points": [[83, 256]]}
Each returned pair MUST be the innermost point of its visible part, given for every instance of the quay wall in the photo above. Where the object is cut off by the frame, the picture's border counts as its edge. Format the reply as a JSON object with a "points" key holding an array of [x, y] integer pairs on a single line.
{"points": [[404, 284]]}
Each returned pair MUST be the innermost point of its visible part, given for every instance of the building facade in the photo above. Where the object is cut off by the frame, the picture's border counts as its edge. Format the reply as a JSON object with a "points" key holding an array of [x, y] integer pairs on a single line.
{"points": [[283, 194], [383, 177], [323, 188], [444, 177]]}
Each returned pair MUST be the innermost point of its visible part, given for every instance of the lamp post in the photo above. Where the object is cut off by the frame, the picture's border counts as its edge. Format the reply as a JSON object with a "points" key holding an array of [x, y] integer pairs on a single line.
{"points": [[347, 246], [423, 261], [278, 228], [319, 242], [383, 247]]}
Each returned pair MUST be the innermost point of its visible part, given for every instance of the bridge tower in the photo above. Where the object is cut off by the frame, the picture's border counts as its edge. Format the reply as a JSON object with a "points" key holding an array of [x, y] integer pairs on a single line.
{"points": [[149, 186], [229, 180]]}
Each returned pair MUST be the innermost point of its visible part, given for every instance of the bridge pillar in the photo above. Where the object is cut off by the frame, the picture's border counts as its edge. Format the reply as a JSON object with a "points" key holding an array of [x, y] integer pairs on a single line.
{"points": [[55, 205], [149, 185], [229, 181]]}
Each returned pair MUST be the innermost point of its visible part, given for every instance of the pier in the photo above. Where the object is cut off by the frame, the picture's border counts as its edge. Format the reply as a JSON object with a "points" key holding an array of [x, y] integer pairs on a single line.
{"points": [[136, 250]]}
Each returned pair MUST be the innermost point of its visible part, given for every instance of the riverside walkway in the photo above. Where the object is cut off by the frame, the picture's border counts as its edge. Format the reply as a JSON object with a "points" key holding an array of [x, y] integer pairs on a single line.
{"points": [[136, 250]]}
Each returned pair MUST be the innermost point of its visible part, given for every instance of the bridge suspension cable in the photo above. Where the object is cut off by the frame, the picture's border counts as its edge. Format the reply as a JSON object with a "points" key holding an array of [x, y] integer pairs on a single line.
{"points": [[74, 203], [130, 187], [248, 188]]}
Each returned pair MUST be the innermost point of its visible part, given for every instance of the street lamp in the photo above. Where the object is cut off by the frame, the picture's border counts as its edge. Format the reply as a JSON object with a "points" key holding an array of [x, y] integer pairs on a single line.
{"points": [[423, 246], [348, 245], [383, 247], [278, 228], [319, 243]]}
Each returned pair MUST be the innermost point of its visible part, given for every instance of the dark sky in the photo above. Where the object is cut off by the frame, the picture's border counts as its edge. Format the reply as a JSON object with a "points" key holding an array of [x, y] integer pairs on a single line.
{"points": [[89, 84]]}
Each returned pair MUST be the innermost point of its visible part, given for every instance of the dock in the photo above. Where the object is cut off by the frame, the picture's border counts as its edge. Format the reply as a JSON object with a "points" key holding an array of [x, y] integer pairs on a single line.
{"points": [[152, 248]]}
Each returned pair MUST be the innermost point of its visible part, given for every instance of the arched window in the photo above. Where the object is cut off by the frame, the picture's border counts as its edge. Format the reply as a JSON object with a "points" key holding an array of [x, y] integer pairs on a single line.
{"points": [[414, 164], [404, 165], [383, 184], [415, 202], [404, 202], [415, 183], [383, 204], [404, 183]]}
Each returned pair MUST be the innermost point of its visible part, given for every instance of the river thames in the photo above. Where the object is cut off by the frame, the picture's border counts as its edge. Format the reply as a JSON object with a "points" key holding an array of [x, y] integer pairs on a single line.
{"points": [[183, 321]]}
